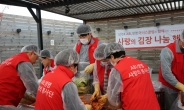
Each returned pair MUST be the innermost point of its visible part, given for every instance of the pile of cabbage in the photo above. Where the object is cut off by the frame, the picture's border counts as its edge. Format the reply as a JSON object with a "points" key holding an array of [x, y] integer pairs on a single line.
{"points": [[82, 84]]}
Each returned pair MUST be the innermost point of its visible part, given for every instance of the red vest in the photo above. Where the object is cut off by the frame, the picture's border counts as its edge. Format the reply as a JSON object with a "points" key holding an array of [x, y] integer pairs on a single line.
{"points": [[91, 49], [138, 92], [177, 67], [12, 88], [50, 89], [101, 72], [51, 65]]}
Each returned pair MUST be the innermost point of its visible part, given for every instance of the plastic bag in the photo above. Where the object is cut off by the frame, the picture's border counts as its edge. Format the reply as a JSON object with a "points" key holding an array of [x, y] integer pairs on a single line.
{"points": [[177, 105], [157, 85], [81, 75], [80, 69]]}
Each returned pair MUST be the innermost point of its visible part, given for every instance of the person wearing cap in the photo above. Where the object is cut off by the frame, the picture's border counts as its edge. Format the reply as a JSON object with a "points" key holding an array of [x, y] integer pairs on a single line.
{"points": [[56, 91], [171, 70], [101, 72], [129, 84], [47, 61], [86, 45], [17, 75]]}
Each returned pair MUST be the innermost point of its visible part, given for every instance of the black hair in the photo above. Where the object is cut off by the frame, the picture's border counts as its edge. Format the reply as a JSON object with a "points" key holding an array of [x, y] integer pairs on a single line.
{"points": [[84, 34], [117, 54], [75, 65], [44, 57]]}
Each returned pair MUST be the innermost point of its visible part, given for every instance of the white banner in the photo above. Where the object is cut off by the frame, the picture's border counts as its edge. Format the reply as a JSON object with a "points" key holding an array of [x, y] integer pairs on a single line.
{"points": [[149, 37]]}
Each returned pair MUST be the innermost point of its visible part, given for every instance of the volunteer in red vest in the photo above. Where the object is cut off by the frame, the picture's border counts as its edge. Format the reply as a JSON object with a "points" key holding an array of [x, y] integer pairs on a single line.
{"points": [[85, 46], [17, 75], [101, 72], [56, 91], [129, 84], [47, 61], [172, 69]]}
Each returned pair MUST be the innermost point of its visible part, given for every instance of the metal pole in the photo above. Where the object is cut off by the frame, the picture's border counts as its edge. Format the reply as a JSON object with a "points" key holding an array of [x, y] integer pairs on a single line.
{"points": [[40, 38]]}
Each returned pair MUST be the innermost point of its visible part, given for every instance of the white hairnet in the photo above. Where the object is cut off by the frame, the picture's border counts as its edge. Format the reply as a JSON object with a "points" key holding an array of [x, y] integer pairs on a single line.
{"points": [[99, 52], [83, 29], [112, 48], [31, 47], [182, 36], [67, 57], [46, 53]]}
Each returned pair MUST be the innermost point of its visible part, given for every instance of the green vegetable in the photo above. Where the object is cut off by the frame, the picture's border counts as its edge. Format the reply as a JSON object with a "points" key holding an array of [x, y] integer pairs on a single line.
{"points": [[81, 82]]}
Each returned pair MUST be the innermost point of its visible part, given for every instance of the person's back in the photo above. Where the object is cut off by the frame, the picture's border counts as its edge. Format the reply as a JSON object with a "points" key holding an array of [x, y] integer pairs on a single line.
{"points": [[17, 75], [129, 85], [138, 92], [49, 91], [10, 82], [56, 90]]}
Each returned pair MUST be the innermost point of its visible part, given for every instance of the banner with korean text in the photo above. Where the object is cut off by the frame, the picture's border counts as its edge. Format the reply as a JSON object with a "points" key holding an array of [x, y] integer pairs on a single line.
{"points": [[149, 37]]}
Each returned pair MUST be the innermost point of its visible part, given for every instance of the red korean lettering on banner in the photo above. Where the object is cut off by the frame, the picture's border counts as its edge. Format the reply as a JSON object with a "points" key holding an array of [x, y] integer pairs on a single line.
{"points": [[161, 31], [141, 40], [175, 37], [133, 41], [120, 41], [151, 32], [127, 41], [124, 41], [158, 40], [165, 39], [148, 40]]}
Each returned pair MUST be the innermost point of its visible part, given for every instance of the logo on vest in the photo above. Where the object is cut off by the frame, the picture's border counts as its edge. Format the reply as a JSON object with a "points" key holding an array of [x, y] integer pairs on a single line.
{"points": [[8, 61], [44, 88], [137, 70]]}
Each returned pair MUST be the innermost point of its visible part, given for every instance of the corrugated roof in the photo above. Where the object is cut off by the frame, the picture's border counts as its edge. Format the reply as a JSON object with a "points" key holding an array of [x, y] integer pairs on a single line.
{"points": [[99, 9]]}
